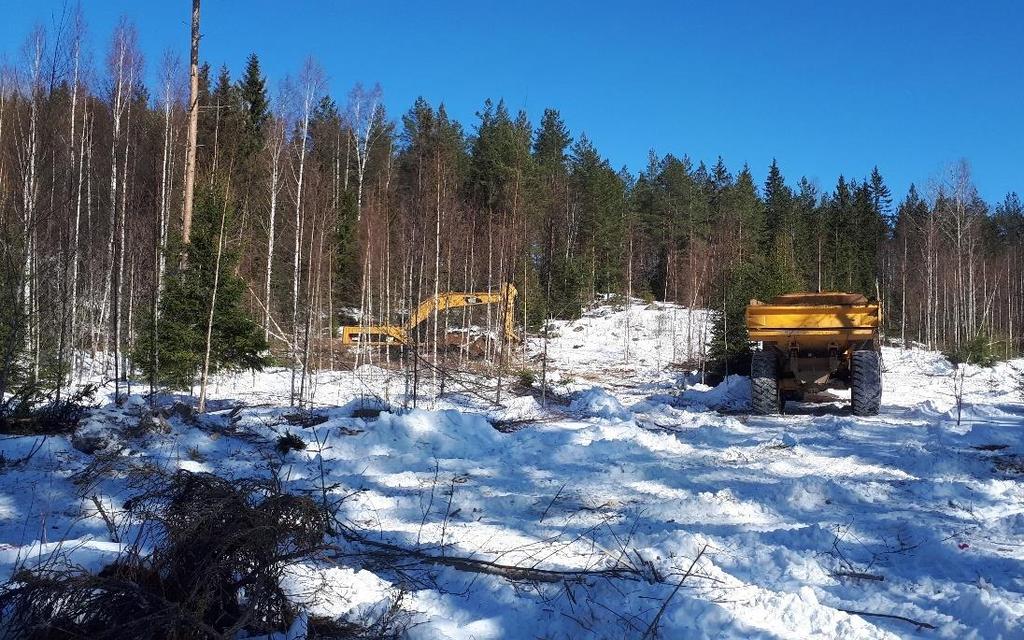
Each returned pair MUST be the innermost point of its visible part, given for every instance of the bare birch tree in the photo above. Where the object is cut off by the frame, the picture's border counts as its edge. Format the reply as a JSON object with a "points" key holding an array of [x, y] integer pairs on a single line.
{"points": [[365, 126], [310, 85], [28, 161], [276, 144]]}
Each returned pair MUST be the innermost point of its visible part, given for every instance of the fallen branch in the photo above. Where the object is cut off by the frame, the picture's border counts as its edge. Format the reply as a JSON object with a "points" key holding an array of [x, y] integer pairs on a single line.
{"points": [[22, 461], [858, 575], [111, 529], [548, 508], [664, 605], [475, 565], [890, 616], [281, 335]]}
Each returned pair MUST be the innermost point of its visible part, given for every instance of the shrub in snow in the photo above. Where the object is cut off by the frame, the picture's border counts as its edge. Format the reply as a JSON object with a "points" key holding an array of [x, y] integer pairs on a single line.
{"points": [[526, 378], [30, 411], [290, 442], [979, 350], [180, 410]]}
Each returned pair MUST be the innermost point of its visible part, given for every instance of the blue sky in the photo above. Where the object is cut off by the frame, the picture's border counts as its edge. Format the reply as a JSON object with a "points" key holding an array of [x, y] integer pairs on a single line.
{"points": [[825, 87]]}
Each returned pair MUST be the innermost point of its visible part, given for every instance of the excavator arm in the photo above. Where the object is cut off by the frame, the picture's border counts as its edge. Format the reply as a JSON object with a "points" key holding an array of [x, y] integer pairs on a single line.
{"points": [[373, 335], [505, 296], [391, 334]]}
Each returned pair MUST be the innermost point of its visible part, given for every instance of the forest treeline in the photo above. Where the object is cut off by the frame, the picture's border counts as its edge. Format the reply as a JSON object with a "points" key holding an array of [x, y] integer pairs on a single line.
{"points": [[313, 210]]}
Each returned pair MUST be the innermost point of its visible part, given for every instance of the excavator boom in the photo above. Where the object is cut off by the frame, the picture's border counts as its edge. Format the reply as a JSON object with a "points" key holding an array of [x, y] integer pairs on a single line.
{"points": [[393, 334]]}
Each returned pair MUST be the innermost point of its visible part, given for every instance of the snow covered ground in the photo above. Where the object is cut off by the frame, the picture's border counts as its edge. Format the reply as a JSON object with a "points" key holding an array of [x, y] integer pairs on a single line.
{"points": [[780, 525]]}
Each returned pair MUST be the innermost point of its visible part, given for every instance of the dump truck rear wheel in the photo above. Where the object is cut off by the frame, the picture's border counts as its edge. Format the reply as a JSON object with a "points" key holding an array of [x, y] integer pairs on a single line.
{"points": [[764, 384], [866, 383]]}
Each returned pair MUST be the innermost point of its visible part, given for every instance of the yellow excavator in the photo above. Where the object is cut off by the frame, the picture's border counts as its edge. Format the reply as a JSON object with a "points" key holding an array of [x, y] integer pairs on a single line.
{"points": [[388, 335]]}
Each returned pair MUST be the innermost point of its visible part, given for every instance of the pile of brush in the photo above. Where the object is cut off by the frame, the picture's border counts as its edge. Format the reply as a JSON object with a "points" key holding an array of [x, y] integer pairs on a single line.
{"points": [[217, 552]]}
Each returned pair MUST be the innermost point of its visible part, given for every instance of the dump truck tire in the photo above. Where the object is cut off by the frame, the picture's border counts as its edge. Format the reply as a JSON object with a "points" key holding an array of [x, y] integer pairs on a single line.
{"points": [[764, 384], [866, 383]]}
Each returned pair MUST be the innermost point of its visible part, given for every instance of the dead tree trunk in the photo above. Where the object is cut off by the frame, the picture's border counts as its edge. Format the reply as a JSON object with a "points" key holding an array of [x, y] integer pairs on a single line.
{"points": [[193, 130]]}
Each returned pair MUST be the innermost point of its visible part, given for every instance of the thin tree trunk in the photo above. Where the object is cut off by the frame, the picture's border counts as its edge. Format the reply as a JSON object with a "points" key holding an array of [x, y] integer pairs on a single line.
{"points": [[115, 243], [275, 175], [213, 305], [193, 130], [307, 106], [73, 330]]}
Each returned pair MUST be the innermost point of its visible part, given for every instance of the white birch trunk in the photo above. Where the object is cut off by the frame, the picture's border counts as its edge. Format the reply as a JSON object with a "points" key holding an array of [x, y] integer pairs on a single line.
{"points": [[275, 178]]}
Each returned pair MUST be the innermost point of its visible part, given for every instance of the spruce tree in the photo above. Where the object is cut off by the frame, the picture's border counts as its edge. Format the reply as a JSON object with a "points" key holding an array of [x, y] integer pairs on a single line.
{"points": [[776, 203], [13, 321], [729, 345], [227, 119], [840, 230], [779, 241], [743, 200], [672, 211], [551, 142], [600, 196], [720, 181], [252, 95], [555, 275], [237, 341], [742, 280], [870, 232], [881, 197], [500, 157], [207, 117], [1009, 219], [809, 233]]}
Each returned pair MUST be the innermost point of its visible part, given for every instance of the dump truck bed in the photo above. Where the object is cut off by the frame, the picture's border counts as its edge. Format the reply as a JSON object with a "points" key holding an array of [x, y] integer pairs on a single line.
{"points": [[813, 317]]}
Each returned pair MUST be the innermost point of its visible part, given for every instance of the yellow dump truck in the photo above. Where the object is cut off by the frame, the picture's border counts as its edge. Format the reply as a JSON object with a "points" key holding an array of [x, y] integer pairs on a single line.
{"points": [[810, 342]]}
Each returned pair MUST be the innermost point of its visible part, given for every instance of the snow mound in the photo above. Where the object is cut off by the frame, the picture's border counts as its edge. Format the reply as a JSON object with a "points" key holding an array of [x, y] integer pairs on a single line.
{"points": [[598, 403], [732, 394], [363, 404], [444, 433], [617, 340], [519, 408]]}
